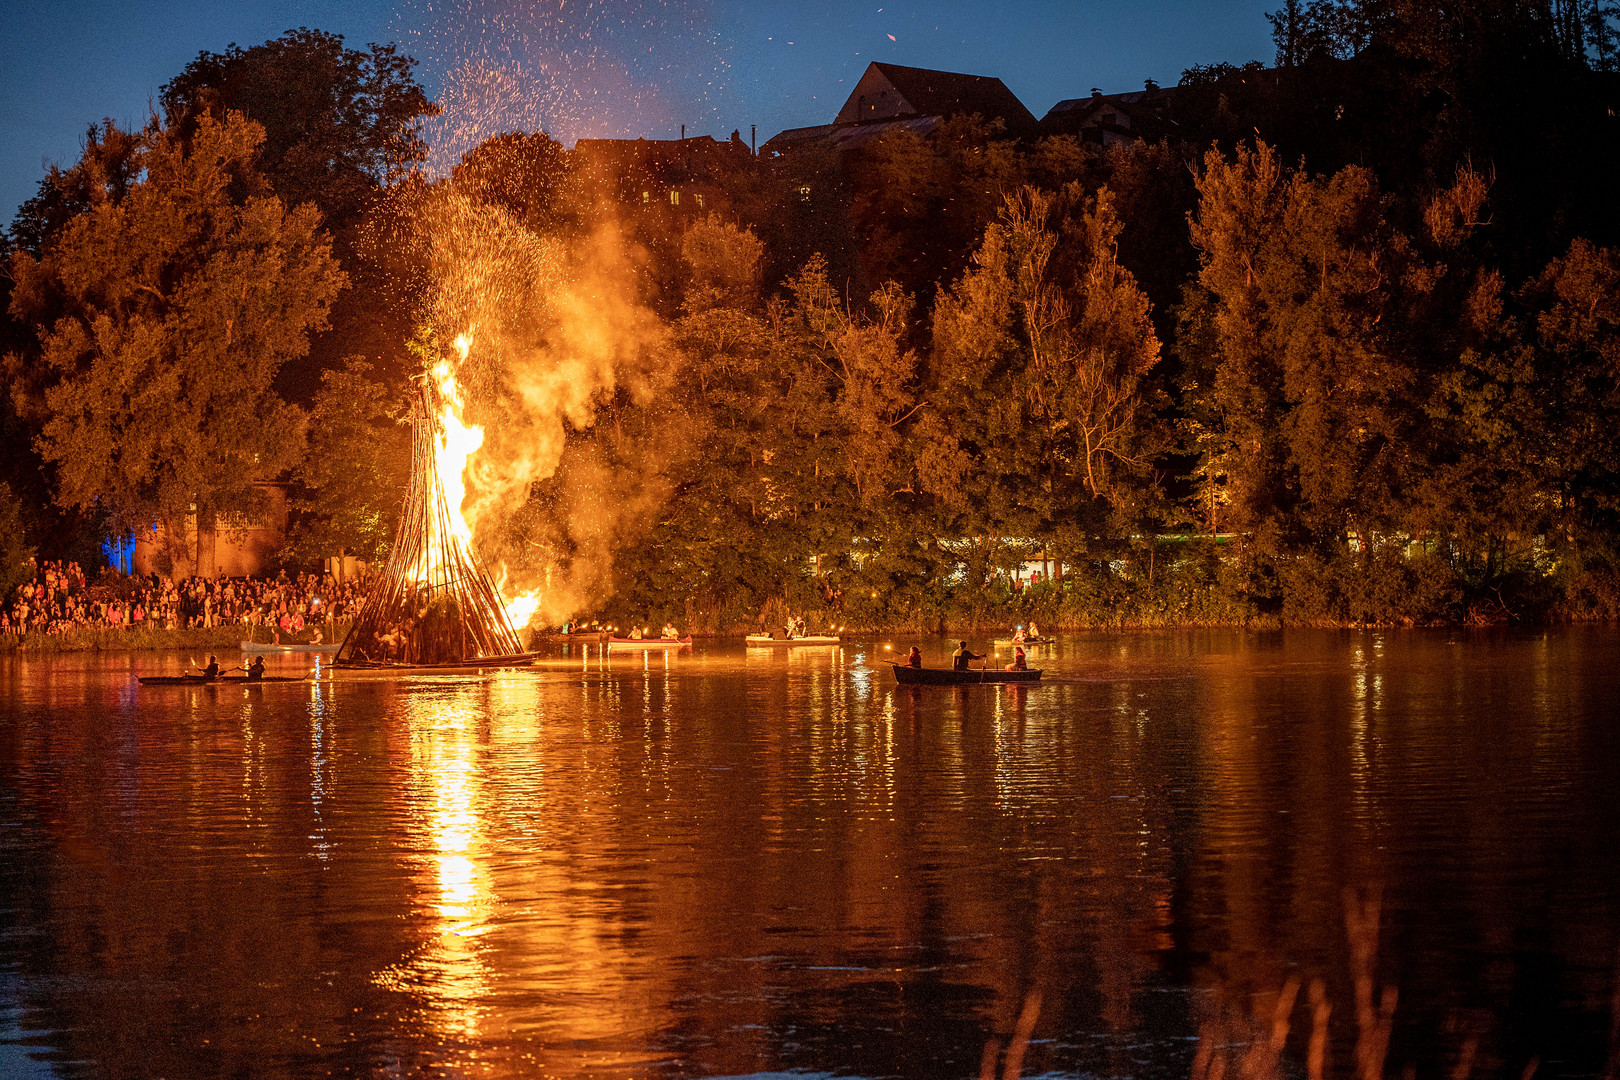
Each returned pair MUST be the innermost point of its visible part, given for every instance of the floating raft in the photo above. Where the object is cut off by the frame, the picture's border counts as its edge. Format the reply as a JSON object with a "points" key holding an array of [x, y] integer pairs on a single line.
{"points": [[767, 641], [626, 644], [910, 676], [506, 660], [251, 647]]}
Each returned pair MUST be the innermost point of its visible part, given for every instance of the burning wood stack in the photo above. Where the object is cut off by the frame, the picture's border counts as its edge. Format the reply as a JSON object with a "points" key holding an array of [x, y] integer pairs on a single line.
{"points": [[434, 604]]}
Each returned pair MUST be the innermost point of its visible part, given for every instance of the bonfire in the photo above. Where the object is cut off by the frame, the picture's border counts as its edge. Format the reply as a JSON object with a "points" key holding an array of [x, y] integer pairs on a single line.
{"points": [[434, 604]]}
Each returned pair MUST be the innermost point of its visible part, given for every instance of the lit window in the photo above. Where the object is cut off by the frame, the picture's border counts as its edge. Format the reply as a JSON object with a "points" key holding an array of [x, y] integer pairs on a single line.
{"points": [[804, 192], [699, 198], [674, 197], [646, 196]]}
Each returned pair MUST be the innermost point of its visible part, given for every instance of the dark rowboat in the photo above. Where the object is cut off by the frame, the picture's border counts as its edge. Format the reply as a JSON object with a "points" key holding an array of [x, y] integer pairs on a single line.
{"points": [[910, 676], [200, 680]]}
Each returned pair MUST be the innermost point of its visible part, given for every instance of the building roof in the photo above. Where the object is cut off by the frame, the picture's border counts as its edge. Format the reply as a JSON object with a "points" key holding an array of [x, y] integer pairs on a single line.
{"points": [[844, 136], [893, 97], [890, 91], [1134, 114]]}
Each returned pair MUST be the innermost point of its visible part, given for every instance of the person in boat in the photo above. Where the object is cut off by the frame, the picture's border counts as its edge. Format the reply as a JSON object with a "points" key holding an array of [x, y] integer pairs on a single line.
{"points": [[212, 670], [669, 632], [914, 657], [1018, 636], [635, 633], [963, 656], [1034, 632], [255, 670], [1019, 661]]}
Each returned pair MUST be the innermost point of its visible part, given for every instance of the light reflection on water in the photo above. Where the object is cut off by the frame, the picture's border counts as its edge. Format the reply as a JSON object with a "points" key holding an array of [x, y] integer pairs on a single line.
{"points": [[730, 862]]}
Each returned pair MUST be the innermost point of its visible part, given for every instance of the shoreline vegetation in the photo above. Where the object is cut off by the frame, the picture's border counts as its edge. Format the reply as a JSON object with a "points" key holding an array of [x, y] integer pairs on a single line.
{"points": [[1327, 376], [1060, 618]]}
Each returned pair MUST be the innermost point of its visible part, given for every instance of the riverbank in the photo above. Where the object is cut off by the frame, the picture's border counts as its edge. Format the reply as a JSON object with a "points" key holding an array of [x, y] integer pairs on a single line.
{"points": [[145, 639]]}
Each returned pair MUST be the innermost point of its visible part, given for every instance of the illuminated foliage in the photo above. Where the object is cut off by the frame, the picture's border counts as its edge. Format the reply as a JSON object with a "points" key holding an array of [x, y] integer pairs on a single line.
{"points": [[163, 319]]}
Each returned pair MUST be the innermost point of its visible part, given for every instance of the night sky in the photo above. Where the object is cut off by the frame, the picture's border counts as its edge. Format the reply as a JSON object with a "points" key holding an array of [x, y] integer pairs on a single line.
{"points": [[600, 67]]}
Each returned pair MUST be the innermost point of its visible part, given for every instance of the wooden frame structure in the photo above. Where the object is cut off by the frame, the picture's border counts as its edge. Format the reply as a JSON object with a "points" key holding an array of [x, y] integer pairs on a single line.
{"points": [[434, 604]]}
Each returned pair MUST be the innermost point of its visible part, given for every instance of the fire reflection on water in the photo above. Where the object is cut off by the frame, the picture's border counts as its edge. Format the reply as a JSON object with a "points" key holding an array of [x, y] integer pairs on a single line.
{"points": [[731, 864], [448, 972]]}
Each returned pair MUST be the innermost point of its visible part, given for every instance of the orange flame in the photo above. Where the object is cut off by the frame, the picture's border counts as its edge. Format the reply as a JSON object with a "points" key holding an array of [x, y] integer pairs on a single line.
{"points": [[458, 441]]}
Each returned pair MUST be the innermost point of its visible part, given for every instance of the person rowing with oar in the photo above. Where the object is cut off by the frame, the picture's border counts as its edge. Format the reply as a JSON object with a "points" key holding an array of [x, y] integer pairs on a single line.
{"points": [[963, 656]]}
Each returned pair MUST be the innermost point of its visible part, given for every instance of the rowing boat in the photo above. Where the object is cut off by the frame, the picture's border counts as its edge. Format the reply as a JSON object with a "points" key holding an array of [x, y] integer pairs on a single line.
{"points": [[910, 676], [768, 641], [1027, 642], [251, 647], [203, 680], [623, 643]]}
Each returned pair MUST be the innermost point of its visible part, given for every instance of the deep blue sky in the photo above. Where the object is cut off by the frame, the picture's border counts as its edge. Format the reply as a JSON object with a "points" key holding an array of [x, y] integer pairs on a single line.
{"points": [[601, 67]]}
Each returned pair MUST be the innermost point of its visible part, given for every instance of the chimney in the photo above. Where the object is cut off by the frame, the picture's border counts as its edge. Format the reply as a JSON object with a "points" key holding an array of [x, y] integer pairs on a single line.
{"points": [[1096, 91], [683, 133], [1150, 84], [753, 133]]}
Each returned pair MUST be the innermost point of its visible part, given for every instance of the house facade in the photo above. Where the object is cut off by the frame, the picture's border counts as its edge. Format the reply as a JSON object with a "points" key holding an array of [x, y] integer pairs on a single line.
{"points": [[893, 97]]}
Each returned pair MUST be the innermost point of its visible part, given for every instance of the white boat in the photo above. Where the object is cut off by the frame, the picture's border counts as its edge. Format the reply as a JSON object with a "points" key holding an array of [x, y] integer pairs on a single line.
{"points": [[251, 647], [767, 641]]}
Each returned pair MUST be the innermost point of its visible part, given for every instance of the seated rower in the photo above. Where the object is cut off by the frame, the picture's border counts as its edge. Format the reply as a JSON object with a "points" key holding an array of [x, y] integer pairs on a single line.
{"points": [[914, 658], [635, 633], [1034, 632], [670, 633], [963, 656], [212, 670], [1019, 661], [255, 670], [1018, 636]]}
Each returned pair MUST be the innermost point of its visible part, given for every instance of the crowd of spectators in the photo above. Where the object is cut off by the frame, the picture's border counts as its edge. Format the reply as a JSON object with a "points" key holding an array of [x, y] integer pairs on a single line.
{"points": [[59, 600]]}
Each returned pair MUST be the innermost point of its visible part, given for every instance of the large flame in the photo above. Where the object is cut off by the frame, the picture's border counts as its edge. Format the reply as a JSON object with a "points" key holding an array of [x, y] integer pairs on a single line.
{"points": [[458, 441]]}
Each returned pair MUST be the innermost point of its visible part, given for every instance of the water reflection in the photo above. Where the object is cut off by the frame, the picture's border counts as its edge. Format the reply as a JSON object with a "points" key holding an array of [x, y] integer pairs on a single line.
{"points": [[719, 862]]}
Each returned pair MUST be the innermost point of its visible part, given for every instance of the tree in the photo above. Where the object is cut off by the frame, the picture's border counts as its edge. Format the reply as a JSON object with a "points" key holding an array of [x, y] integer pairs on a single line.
{"points": [[339, 123], [356, 471], [525, 174], [1044, 348], [163, 319], [106, 170], [16, 556]]}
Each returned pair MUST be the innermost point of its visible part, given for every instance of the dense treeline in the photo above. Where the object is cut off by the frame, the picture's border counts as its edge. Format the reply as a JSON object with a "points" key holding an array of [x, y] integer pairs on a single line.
{"points": [[1344, 349]]}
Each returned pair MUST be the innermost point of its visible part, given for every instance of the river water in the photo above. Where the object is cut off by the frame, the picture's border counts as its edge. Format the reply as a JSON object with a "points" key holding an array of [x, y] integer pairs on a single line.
{"points": [[730, 862]]}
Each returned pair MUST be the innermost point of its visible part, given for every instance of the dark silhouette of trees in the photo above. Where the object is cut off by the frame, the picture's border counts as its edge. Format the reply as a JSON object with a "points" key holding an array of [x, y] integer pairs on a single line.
{"points": [[339, 123]]}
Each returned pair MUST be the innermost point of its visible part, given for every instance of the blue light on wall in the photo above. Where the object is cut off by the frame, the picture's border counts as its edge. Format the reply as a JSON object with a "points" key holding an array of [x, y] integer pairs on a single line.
{"points": [[120, 552]]}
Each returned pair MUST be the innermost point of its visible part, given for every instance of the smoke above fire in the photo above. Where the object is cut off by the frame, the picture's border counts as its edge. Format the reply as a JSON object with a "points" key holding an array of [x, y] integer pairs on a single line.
{"points": [[551, 330], [551, 308]]}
